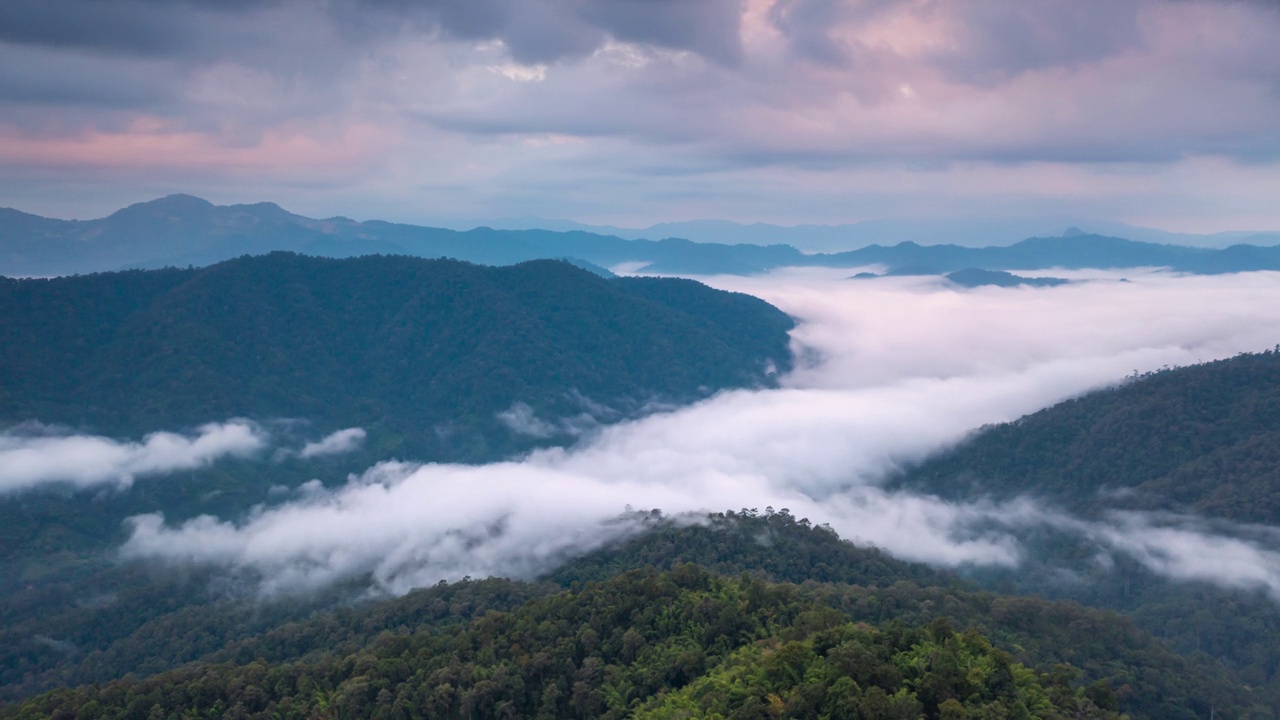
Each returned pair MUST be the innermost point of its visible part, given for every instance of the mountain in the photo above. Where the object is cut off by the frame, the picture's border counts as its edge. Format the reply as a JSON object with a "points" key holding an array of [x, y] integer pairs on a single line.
{"points": [[434, 359], [659, 643], [974, 277], [1203, 439], [1192, 449], [181, 231], [1073, 251], [424, 354], [966, 232], [640, 645]]}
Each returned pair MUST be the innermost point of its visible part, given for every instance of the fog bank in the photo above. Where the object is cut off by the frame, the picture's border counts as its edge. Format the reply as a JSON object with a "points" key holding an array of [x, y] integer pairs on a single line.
{"points": [[891, 370]]}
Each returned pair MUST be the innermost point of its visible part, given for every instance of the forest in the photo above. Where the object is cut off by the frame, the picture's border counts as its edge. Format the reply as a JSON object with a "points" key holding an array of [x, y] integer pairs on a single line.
{"points": [[422, 354], [685, 620]]}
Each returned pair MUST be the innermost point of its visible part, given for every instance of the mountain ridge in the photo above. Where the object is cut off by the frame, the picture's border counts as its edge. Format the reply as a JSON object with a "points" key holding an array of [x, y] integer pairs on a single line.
{"points": [[182, 230], [142, 350]]}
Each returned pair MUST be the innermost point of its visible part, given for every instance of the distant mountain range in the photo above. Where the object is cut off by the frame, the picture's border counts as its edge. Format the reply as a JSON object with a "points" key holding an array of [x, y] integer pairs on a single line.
{"points": [[966, 232], [181, 231]]}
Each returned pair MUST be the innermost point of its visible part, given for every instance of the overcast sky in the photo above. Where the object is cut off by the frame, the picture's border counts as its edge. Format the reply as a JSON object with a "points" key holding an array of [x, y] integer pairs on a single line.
{"points": [[1158, 112]]}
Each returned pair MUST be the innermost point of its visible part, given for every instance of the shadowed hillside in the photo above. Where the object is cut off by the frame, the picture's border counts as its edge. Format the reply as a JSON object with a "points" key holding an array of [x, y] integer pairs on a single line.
{"points": [[424, 354]]}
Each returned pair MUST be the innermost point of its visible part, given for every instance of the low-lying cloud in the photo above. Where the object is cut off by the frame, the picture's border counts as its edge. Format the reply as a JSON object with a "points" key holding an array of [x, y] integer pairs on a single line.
{"points": [[895, 369], [338, 443], [1183, 549], [33, 457]]}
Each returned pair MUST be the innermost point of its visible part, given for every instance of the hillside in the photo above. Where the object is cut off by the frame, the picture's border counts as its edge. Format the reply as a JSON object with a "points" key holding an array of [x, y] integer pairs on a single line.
{"points": [[423, 354], [435, 359], [646, 644], [1203, 439], [1191, 448], [163, 620]]}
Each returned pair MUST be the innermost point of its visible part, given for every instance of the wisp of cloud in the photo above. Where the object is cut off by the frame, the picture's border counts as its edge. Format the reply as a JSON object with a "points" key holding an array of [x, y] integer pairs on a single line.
{"points": [[32, 459]]}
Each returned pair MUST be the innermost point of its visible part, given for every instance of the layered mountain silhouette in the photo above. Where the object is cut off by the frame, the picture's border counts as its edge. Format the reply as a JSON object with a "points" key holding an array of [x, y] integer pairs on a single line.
{"points": [[181, 231]]}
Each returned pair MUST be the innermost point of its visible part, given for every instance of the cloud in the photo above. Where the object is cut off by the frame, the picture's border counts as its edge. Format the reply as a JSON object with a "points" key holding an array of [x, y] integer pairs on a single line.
{"points": [[521, 419], [30, 460], [1183, 548], [783, 110], [338, 443], [897, 369]]}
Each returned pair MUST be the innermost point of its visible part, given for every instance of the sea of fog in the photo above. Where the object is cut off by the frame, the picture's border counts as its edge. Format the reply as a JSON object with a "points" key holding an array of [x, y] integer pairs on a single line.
{"points": [[890, 370]]}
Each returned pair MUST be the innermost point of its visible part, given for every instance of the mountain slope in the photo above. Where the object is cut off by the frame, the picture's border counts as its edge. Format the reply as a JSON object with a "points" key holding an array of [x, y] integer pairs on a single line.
{"points": [[1200, 439], [428, 351], [688, 642]]}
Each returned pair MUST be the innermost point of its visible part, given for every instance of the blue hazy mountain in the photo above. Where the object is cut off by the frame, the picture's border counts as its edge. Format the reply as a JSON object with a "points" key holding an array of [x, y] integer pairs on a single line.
{"points": [[975, 277], [966, 232], [181, 231]]}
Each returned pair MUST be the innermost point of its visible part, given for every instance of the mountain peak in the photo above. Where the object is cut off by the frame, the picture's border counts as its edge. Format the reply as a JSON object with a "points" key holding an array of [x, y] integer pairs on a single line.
{"points": [[177, 204]]}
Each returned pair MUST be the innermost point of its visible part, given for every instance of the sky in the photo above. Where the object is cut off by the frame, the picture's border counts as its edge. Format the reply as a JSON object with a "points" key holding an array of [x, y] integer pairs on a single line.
{"points": [[892, 370], [1163, 113]]}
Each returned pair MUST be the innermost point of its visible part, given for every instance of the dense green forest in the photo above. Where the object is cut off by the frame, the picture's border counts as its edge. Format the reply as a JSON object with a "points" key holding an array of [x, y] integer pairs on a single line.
{"points": [[1203, 439], [688, 653], [689, 643], [155, 619], [1200, 440], [423, 354]]}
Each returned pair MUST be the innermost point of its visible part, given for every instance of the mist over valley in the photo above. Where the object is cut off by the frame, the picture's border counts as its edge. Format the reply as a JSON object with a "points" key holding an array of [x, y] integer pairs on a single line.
{"points": [[607, 359], [860, 426]]}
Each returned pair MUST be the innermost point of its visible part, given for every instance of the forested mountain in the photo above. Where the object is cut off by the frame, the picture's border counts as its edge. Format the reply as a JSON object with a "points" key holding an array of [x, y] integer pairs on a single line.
{"points": [[1195, 447], [1203, 439], [423, 354], [180, 230], [428, 356], [685, 641]]}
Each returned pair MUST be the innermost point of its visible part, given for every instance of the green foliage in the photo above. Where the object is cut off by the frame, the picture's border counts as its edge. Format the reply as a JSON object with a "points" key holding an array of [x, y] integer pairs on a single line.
{"points": [[775, 545], [424, 353], [655, 633], [680, 644], [1200, 439]]}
